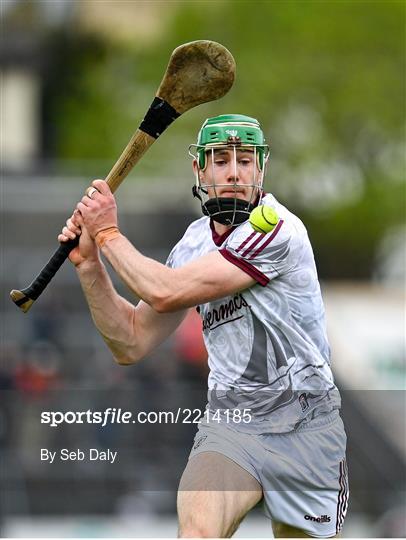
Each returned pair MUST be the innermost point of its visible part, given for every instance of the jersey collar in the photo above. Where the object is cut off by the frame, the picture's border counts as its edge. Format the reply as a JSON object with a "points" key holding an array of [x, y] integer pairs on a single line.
{"points": [[218, 239]]}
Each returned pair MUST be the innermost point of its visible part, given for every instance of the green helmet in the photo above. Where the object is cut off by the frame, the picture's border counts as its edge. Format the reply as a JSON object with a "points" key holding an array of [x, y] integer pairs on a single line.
{"points": [[231, 129]]}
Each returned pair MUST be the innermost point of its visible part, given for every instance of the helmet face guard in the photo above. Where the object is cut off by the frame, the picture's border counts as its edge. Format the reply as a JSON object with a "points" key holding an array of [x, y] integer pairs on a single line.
{"points": [[237, 134]]}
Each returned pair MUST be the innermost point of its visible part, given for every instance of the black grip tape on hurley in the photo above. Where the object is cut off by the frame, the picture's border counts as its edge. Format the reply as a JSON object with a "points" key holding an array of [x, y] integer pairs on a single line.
{"points": [[159, 116], [47, 273]]}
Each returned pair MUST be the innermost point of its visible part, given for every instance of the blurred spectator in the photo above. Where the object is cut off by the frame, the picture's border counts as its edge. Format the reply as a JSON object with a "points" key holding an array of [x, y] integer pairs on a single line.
{"points": [[39, 372], [47, 320], [189, 346], [10, 358]]}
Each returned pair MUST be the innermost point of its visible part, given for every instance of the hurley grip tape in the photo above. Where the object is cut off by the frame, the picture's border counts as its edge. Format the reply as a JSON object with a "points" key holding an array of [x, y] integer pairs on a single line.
{"points": [[159, 116], [50, 269]]}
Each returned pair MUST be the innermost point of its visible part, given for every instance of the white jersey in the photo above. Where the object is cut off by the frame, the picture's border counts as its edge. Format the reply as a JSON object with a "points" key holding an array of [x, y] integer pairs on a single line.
{"points": [[267, 346]]}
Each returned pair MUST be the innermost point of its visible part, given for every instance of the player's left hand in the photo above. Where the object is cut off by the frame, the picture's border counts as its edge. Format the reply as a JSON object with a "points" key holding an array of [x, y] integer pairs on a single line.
{"points": [[98, 208]]}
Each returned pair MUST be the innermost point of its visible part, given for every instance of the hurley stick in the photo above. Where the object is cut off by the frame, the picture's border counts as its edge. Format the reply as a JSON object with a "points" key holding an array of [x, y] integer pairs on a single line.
{"points": [[197, 72]]}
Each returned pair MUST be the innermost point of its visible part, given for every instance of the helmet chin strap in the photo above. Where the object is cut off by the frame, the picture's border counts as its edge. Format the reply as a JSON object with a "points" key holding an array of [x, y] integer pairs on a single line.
{"points": [[226, 210]]}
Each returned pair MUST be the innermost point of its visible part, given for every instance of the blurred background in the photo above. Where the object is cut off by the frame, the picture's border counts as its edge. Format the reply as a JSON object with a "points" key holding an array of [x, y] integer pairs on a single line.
{"points": [[327, 81]]}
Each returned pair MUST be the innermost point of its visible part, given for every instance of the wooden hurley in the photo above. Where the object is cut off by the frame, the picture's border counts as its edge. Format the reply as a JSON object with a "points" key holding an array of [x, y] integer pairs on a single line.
{"points": [[198, 72]]}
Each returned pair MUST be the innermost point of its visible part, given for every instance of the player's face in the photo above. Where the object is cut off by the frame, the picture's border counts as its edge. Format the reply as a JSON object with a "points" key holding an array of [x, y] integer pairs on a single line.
{"points": [[231, 172]]}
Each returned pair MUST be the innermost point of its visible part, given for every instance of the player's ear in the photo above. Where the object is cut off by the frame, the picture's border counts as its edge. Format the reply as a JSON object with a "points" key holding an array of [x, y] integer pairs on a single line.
{"points": [[197, 170], [194, 165]]}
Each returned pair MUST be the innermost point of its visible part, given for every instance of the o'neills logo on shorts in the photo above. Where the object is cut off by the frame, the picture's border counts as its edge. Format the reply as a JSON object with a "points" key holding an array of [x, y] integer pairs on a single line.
{"points": [[321, 519], [225, 313]]}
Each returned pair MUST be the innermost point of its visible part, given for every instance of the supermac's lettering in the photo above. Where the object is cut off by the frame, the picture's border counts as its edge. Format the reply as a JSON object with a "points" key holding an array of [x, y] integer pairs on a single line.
{"points": [[224, 313]]}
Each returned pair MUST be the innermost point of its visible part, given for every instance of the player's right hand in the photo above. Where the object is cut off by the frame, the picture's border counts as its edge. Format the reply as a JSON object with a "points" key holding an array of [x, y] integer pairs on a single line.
{"points": [[87, 249]]}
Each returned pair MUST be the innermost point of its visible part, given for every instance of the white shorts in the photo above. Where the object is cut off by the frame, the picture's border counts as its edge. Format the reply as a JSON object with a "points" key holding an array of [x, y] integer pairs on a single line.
{"points": [[303, 473]]}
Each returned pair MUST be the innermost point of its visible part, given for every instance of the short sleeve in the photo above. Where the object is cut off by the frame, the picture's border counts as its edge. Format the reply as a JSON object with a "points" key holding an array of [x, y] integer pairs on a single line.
{"points": [[262, 256], [171, 261], [191, 245]]}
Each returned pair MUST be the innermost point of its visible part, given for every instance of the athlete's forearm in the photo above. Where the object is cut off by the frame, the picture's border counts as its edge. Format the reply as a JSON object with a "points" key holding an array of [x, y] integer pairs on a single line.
{"points": [[111, 313], [150, 280], [169, 290]]}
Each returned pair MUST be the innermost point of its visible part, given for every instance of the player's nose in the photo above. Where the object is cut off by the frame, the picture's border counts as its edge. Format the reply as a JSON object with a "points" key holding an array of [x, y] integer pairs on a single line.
{"points": [[232, 173]]}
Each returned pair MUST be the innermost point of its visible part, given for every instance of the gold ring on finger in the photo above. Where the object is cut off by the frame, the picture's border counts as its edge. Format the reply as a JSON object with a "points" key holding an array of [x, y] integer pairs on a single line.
{"points": [[91, 191]]}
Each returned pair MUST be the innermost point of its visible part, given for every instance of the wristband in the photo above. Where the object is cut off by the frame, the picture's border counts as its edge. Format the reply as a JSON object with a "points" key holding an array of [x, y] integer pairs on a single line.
{"points": [[105, 235]]}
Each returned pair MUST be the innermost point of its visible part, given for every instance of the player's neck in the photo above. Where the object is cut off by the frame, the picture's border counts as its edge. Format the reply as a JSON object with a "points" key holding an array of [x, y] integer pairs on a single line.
{"points": [[220, 228]]}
